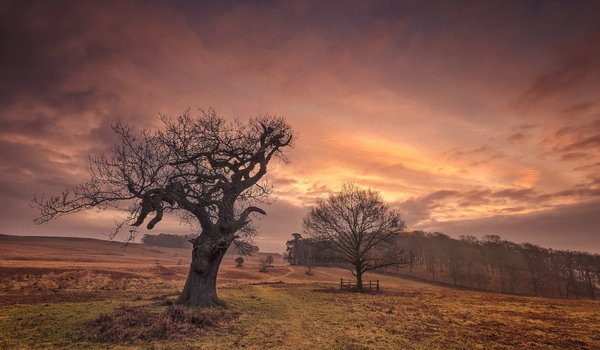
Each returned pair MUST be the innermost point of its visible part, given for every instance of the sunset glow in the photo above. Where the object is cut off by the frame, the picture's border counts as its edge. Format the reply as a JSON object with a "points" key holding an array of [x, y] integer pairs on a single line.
{"points": [[475, 120]]}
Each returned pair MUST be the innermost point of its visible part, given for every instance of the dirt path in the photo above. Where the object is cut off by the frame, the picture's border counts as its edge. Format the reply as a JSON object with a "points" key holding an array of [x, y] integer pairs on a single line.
{"points": [[282, 277], [290, 315]]}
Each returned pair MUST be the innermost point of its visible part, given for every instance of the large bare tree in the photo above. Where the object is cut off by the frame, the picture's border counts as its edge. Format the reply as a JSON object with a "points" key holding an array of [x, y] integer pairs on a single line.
{"points": [[202, 167], [355, 221]]}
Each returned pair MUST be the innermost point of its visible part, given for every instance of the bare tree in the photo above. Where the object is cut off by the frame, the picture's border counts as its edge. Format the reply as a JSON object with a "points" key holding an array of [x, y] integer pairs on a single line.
{"points": [[355, 221], [269, 260], [264, 265], [534, 257], [203, 167]]}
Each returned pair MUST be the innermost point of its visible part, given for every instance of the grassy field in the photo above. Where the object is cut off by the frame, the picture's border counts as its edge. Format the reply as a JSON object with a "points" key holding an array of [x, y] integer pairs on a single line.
{"points": [[50, 288]]}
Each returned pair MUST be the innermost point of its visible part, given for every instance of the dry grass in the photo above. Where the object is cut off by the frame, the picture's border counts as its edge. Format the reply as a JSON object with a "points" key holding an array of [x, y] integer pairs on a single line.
{"points": [[134, 324], [48, 303]]}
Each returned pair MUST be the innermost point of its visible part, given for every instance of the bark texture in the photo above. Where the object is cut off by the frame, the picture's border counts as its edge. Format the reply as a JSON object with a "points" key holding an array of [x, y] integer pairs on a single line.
{"points": [[201, 285]]}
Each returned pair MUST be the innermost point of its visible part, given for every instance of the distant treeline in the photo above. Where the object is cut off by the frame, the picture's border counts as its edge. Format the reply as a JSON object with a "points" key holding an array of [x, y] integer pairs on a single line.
{"points": [[184, 241], [490, 263], [169, 240], [309, 251]]}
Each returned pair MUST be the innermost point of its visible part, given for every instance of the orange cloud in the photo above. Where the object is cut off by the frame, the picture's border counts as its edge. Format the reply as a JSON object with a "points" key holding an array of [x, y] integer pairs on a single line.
{"points": [[409, 98]]}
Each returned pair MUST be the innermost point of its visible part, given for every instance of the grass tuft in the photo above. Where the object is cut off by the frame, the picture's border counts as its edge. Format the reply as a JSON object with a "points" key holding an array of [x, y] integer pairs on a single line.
{"points": [[132, 324]]}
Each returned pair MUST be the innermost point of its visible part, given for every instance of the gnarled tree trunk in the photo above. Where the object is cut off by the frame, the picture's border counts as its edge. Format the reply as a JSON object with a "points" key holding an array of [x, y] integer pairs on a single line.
{"points": [[204, 167], [201, 285]]}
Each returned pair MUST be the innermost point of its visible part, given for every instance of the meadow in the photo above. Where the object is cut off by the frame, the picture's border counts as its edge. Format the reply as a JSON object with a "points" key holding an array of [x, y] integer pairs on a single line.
{"points": [[52, 288]]}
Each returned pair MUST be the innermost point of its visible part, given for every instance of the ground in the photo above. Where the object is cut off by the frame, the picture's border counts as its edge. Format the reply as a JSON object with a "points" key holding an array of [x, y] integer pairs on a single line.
{"points": [[50, 287]]}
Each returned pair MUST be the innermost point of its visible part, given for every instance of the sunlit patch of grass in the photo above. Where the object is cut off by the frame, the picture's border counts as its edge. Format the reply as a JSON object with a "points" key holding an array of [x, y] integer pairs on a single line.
{"points": [[299, 316], [49, 325], [295, 316]]}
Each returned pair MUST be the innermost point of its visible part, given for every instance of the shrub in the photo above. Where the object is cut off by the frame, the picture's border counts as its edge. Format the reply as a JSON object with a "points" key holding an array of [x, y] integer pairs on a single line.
{"points": [[263, 265], [128, 324]]}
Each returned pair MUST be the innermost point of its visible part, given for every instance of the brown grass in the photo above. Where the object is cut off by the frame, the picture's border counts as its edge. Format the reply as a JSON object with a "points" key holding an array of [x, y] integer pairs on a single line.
{"points": [[133, 324], [73, 302]]}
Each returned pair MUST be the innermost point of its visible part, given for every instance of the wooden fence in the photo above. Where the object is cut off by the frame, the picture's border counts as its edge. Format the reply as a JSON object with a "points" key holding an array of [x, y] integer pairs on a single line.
{"points": [[351, 284]]}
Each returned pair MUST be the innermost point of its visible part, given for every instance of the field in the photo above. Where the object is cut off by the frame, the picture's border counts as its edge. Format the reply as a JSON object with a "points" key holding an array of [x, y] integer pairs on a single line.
{"points": [[50, 288]]}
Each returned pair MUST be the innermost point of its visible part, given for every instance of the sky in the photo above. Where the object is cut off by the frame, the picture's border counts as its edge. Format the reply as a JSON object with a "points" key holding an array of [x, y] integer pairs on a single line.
{"points": [[471, 117]]}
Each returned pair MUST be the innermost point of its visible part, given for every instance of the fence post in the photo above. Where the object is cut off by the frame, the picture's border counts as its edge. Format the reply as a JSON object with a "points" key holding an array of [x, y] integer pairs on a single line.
{"points": [[377, 285], [341, 283]]}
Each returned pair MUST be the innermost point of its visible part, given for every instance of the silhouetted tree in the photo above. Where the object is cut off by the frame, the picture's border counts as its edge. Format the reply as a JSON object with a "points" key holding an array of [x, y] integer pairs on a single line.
{"points": [[269, 260], [457, 256], [556, 261], [585, 267], [203, 167], [512, 262], [413, 245], [433, 251], [241, 247], [355, 221], [239, 261], [310, 251], [534, 257], [493, 263], [292, 249], [568, 274], [264, 266]]}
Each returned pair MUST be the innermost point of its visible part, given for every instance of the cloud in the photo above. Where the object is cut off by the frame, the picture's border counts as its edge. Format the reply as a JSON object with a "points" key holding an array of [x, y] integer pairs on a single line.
{"points": [[444, 205], [576, 142], [587, 142], [573, 156], [576, 66], [403, 97], [578, 109], [568, 227], [480, 155], [563, 77], [282, 219], [519, 136], [590, 166]]}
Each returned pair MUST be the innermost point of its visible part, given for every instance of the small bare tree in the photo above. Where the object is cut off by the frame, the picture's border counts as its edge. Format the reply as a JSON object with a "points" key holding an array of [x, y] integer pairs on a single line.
{"points": [[355, 221], [264, 266], [202, 167]]}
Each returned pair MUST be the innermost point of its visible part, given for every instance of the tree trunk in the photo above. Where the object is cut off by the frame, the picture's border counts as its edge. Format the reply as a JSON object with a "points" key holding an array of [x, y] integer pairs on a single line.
{"points": [[557, 279], [358, 280], [535, 285], [201, 285], [589, 279]]}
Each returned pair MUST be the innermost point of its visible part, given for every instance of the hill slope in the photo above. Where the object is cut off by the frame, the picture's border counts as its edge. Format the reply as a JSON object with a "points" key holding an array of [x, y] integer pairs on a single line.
{"points": [[50, 286]]}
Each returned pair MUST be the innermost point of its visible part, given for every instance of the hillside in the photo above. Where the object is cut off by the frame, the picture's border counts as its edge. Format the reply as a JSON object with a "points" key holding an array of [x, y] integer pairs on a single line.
{"points": [[51, 286]]}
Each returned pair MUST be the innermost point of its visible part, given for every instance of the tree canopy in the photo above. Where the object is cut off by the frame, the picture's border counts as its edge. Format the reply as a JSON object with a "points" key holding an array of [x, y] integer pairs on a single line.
{"points": [[203, 167], [355, 221]]}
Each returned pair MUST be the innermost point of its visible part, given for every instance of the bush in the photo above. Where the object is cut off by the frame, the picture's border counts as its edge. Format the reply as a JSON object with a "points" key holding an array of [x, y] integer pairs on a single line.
{"points": [[239, 262], [128, 324], [263, 265]]}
